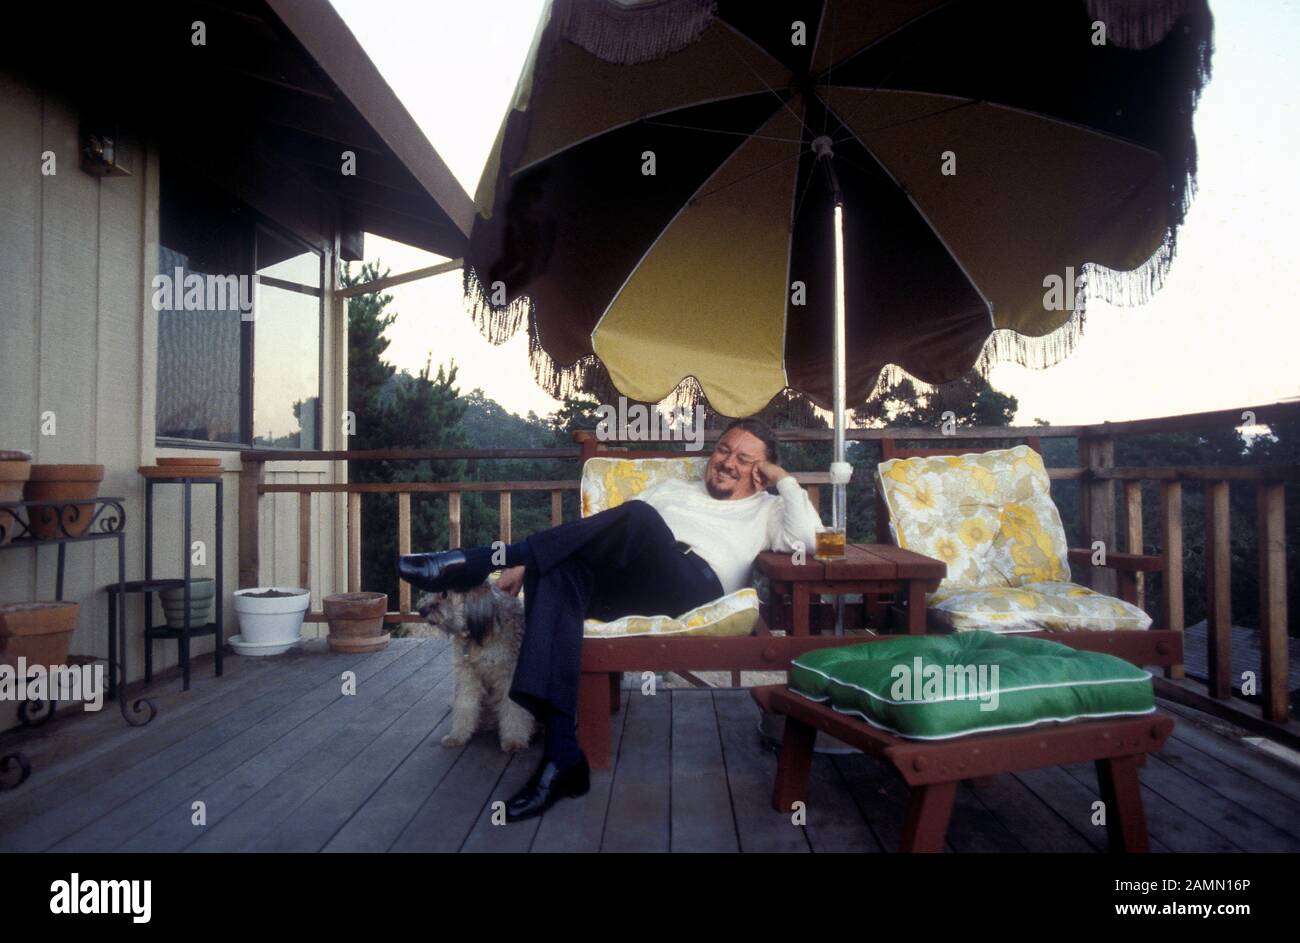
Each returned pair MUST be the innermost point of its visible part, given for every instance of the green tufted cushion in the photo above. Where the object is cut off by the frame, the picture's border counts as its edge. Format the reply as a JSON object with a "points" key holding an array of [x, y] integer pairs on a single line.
{"points": [[986, 682]]}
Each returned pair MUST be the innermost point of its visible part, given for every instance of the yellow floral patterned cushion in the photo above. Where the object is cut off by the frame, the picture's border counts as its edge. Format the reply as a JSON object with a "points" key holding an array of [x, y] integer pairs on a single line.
{"points": [[733, 614], [989, 516], [607, 483], [1050, 606]]}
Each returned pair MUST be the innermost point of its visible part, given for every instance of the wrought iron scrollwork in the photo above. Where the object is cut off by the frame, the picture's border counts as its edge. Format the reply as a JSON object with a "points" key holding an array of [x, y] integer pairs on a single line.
{"points": [[8, 764]]}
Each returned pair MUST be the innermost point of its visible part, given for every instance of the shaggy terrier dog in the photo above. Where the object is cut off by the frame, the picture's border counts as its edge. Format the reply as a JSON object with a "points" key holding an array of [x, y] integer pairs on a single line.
{"points": [[485, 626]]}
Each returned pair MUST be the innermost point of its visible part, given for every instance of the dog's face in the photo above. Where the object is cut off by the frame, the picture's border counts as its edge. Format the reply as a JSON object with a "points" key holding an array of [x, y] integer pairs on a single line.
{"points": [[461, 615]]}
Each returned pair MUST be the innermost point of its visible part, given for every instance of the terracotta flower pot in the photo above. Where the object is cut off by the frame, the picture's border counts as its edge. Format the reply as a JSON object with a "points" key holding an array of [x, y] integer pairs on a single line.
{"points": [[357, 621], [62, 483], [13, 476], [37, 631]]}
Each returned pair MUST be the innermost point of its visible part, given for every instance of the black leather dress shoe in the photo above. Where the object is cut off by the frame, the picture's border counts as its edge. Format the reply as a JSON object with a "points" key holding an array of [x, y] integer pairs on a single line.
{"points": [[548, 784], [438, 572]]}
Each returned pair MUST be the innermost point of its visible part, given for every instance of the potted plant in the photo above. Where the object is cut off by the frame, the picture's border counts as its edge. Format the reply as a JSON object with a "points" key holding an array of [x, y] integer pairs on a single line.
{"points": [[62, 483], [37, 631], [270, 619], [15, 469], [357, 621], [173, 602]]}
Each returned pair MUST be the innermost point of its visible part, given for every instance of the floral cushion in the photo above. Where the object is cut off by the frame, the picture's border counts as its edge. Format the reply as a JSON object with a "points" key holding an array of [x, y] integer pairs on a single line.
{"points": [[989, 516], [733, 614], [607, 483], [1033, 607]]}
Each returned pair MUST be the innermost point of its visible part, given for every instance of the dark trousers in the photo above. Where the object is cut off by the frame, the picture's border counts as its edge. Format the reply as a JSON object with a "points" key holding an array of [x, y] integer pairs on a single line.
{"points": [[619, 562]]}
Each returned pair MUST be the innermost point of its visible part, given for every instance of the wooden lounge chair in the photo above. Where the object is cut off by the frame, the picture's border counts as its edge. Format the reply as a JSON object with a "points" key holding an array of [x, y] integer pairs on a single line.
{"points": [[934, 769], [605, 660], [1146, 646]]}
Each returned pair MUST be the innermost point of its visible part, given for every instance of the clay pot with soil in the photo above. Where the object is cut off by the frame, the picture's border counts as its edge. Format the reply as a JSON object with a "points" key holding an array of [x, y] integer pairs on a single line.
{"points": [[357, 621], [62, 483], [40, 632], [15, 469]]}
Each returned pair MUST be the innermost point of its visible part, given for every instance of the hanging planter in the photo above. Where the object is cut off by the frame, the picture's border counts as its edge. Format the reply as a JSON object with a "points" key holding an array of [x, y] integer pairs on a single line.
{"points": [[357, 621], [62, 483], [173, 603], [270, 619], [15, 469], [40, 632]]}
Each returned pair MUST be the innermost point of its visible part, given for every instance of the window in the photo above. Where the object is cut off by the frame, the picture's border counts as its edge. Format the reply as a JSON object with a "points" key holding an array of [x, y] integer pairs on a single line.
{"points": [[239, 323]]}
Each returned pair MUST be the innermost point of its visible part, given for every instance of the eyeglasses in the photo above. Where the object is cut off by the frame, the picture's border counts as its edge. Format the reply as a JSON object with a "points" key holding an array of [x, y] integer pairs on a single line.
{"points": [[745, 464]]}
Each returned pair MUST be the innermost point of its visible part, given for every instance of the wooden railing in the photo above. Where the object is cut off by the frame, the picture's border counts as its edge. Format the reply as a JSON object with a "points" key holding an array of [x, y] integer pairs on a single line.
{"points": [[1096, 474]]}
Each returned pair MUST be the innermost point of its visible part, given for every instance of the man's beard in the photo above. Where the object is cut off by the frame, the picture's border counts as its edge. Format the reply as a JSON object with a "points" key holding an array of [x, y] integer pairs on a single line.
{"points": [[719, 493]]}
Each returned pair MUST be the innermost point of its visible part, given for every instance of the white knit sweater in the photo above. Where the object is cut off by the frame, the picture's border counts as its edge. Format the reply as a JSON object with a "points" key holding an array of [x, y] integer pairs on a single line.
{"points": [[729, 534]]}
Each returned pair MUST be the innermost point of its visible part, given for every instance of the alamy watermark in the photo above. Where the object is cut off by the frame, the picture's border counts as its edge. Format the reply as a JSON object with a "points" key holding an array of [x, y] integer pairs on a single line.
{"points": [[53, 683], [635, 422], [194, 292], [922, 683]]}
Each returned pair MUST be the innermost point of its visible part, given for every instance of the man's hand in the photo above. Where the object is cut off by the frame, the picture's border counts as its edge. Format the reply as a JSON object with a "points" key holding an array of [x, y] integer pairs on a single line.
{"points": [[511, 580], [766, 474]]}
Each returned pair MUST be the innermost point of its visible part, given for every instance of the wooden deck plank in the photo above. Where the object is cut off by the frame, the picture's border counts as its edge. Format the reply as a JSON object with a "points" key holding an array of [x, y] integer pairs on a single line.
{"points": [[314, 823], [1035, 825], [972, 829], [639, 817], [1236, 823], [490, 832], [879, 794], [286, 729], [285, 762], [701, 815], [80, 737], [378, 824], [751, 771], [1175, 827], [1070, 799], [578, 825], [1199, 731], [446, 817], [1273, 807], [79, 804], [834, 823], [319, 747], [122, 745]]}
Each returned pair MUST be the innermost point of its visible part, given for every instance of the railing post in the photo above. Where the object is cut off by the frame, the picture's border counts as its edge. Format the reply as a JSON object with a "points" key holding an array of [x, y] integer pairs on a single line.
{"points": [[1133, 522], [304, 540], [503, 523], [403, 547], [354, 542], [251, 474], [557, 508], [1271, 496], [453, 519], [1097, 506], [1218, 588], [1171, 543]]}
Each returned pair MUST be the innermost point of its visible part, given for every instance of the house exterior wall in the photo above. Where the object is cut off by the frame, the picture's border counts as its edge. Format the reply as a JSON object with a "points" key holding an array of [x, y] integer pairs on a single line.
{"points": [[78, 339]]}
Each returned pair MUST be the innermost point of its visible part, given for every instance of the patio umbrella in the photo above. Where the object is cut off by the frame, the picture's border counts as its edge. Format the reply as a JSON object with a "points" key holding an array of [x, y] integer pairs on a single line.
{"points": [[734, 198]]}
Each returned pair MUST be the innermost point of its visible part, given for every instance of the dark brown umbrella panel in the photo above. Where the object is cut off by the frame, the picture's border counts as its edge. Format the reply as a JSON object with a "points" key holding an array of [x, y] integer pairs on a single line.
{"points": [[666, 215]]}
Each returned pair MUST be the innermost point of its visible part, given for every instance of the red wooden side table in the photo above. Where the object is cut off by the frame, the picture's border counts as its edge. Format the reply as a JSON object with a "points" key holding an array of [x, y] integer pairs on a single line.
{"points": [[870, 569]]}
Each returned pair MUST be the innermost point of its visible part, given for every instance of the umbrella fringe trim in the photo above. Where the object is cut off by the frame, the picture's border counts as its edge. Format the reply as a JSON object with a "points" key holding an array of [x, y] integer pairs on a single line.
{"points": [[628, 35]]}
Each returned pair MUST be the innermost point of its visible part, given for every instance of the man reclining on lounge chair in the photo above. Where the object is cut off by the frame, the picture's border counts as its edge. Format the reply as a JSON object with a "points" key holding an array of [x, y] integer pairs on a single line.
{"points": [[678, 545]]}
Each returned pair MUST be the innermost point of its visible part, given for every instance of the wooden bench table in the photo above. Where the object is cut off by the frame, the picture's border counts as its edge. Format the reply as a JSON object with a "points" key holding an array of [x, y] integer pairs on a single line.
{"points": [[933, 769]]}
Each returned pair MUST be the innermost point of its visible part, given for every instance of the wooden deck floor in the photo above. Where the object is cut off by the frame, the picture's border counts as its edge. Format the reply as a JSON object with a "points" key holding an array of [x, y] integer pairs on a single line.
{"points": [[283, 761]]}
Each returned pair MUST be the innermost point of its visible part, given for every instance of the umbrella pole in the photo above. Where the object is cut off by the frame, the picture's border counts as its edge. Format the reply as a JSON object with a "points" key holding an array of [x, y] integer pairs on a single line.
{"points": [[840, 470]]}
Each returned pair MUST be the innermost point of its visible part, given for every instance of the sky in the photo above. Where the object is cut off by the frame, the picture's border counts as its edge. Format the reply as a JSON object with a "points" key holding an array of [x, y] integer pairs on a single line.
{"points": [[1224, 331]]}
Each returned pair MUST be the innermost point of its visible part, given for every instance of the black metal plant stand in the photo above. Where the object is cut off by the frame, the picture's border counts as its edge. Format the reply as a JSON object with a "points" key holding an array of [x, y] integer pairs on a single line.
{"points": [[107, 522], [149, 585]]}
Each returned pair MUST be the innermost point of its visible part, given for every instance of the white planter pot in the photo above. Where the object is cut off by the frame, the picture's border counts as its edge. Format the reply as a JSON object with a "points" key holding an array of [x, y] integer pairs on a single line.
{"points": [[271, 620]]}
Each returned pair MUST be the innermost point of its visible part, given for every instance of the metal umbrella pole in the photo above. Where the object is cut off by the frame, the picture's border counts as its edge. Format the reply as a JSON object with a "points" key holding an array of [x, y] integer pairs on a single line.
{"points": [[840, 469]]}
